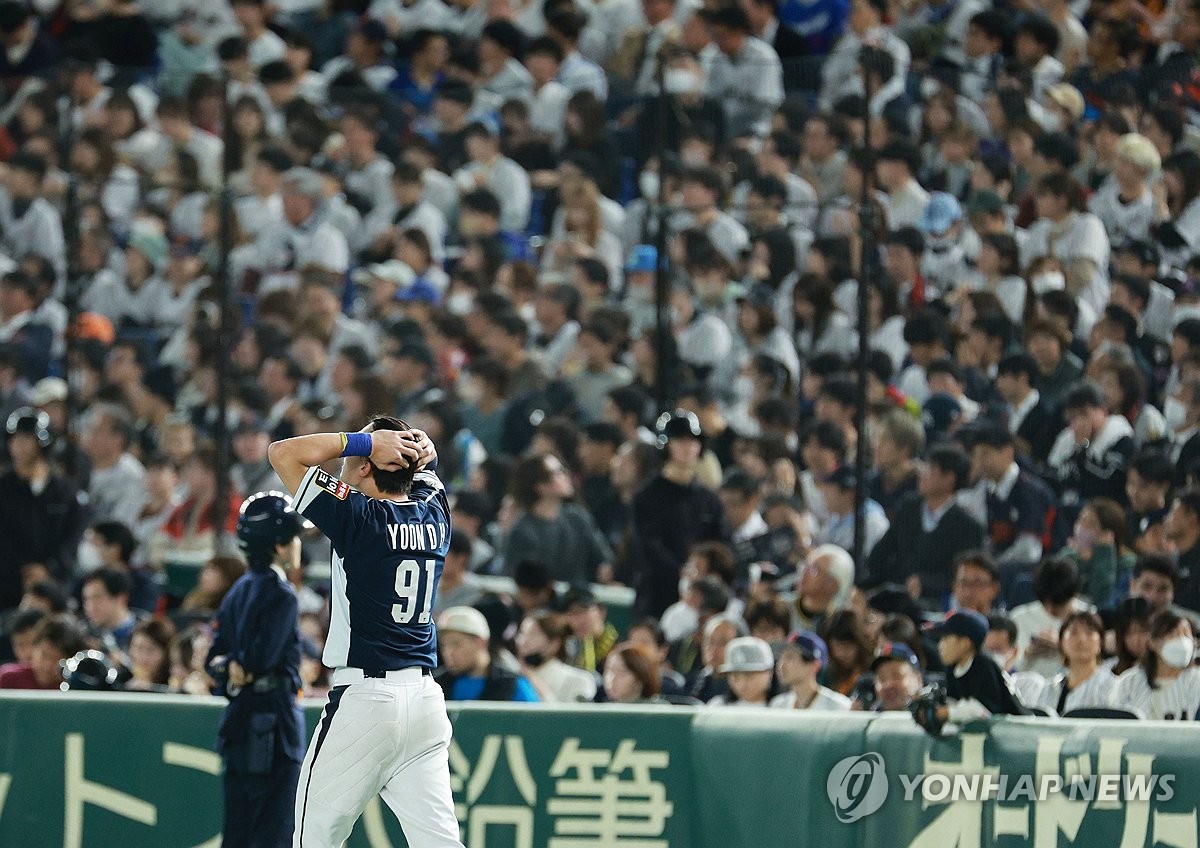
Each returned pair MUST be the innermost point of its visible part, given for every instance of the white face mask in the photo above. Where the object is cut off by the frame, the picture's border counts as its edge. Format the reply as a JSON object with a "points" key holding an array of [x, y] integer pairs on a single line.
{"points": [[1175, 412], [459, 303], [528, 311], [88, 557], [1048, 281], [681, 81], [648, 183], [1178, 652], [1000, 659]]}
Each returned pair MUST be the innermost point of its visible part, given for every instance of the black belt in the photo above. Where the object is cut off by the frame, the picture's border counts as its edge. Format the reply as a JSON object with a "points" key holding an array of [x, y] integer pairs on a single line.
{"points": [[263, 685], [425, 670]]}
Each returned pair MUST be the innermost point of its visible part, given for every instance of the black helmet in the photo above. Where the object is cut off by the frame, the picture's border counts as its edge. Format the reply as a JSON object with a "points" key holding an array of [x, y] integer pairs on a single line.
{"points": [[89, 671], [31, 421], [678, 424], [266, 520]]}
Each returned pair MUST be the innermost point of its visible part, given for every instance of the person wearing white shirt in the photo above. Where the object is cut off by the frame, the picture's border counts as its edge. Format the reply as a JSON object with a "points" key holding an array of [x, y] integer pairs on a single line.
{"points": [[541, 648], [302, 237], [1124, 202], [895, 169], [1164, 686], [1085, 682], [741, 494], [837, 490], [407, 209], [404, 17], [1056, 585], [257, 210], [499, 70], [368, 174], [577, 73], [800, 659], [29, 223], [839, 71], [1076, 239], [264, 46], [489, 169], [548, 99], [746, 75]]}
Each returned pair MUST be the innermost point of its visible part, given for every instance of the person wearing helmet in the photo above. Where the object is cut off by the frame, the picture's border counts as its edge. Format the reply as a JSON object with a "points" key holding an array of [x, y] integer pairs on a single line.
{"points": [[255, 657], [41, 517], [671, 514]]}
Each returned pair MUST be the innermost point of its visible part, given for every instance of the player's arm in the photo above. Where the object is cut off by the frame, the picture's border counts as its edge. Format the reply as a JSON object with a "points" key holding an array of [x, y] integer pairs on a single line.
{"points": [[292, 458]]}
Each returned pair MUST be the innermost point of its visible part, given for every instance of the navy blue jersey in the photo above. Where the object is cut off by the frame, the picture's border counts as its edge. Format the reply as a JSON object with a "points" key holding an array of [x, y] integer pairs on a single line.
{"points": [[387, 561]]}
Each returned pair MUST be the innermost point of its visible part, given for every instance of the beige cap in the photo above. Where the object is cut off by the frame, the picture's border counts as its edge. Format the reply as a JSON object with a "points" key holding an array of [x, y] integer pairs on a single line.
{"points": [[48, 390], [1067, 97], [1139, 150], [466, 620]]}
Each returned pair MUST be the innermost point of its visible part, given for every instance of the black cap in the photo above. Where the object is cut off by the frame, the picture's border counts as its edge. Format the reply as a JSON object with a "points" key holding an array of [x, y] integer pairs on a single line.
{"points": [[581, 595]]}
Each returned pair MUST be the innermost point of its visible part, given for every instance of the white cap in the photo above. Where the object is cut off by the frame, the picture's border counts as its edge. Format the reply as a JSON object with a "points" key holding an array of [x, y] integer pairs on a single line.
{"points": [[48, 390], [466, 620], [392, 271], [747, 653]]}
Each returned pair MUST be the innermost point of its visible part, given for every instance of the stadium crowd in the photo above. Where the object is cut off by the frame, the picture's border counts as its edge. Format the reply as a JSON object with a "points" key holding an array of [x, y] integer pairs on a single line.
{"points": [[449, 212]]}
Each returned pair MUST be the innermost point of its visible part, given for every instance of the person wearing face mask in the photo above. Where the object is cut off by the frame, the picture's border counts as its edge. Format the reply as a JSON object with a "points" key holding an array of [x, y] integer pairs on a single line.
{"points": [[1165, 685], [1085, 682], [541, 648], [687, 106]]}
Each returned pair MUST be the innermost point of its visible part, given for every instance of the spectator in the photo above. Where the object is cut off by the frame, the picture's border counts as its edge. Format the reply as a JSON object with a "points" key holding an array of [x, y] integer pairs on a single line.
{"points": [[458, 586], [801, 659], [118, 478], [897, 677], [1031, 419], [928, 532], [115, 545], [650, 636], [1164, 686], [1089, 456], [837, 492], [976, 582], [106, 606], [749, 670], [469, 672], [19, 629], [707, 681], [542, 648], [54, 640], [823, 587], [1085, 682], [1183, 531], [149, 657], [40, 514], [1099, 549], [630, 675], [1056, 585], [217, 577], [1147, 485], [1020, 507], [975, 684], [593, 636], [850, 653], [705, 598], [551, 528], [671, 514], [1155, 577], [899, 440], [1131, 632]]}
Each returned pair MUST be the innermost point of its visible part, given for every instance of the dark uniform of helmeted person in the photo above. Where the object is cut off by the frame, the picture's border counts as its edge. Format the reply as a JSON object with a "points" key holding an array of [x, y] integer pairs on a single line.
{"points": [[255, 657]]}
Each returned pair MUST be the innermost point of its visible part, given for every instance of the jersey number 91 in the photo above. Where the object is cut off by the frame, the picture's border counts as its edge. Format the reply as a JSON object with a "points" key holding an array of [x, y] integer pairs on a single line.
{"points": [[409, 590]]}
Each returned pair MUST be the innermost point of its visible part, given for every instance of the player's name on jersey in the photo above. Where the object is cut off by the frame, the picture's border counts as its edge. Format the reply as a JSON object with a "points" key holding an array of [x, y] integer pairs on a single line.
{"points": [[416, 536]]}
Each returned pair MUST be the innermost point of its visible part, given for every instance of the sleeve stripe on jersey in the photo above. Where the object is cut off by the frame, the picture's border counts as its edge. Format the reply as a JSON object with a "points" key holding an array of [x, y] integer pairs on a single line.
{"points": [[430, 480], [307, 493]]}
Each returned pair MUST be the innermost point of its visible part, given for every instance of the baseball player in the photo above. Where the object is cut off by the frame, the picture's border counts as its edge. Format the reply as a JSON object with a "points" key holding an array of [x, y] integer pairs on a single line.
{"points": [[255, 658], [384, 730]]}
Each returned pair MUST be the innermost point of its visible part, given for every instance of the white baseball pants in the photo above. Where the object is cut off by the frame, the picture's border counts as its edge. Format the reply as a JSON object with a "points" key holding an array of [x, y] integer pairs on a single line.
{"points": [[378, 736]]}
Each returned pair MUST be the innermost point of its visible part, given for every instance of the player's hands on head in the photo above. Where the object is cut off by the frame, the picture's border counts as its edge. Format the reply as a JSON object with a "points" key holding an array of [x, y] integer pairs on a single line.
{"points": [[424, 445], [393, 450]]}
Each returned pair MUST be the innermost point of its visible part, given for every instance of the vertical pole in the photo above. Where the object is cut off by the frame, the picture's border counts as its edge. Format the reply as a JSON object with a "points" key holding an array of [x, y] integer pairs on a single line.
{"points": [[662, 323], [224, 331], [866, 217]]}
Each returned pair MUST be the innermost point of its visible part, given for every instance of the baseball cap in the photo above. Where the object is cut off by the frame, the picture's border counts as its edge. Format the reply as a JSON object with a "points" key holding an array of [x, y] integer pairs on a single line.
{"points": [[940, 214], [48, 390], [963, 623], [1067, 97], [392, 271], [643, 257], [747, 653], [811, 646], [939, 414], [466, 620], [93, 325], [895, 651]]}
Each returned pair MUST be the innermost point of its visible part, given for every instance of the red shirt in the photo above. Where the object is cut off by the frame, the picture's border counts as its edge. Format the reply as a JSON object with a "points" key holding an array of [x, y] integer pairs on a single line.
{"points": [[20, 676]]}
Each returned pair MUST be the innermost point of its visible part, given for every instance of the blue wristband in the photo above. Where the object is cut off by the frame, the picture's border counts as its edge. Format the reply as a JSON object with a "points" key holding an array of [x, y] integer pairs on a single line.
{"points": [[357, 444]]}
